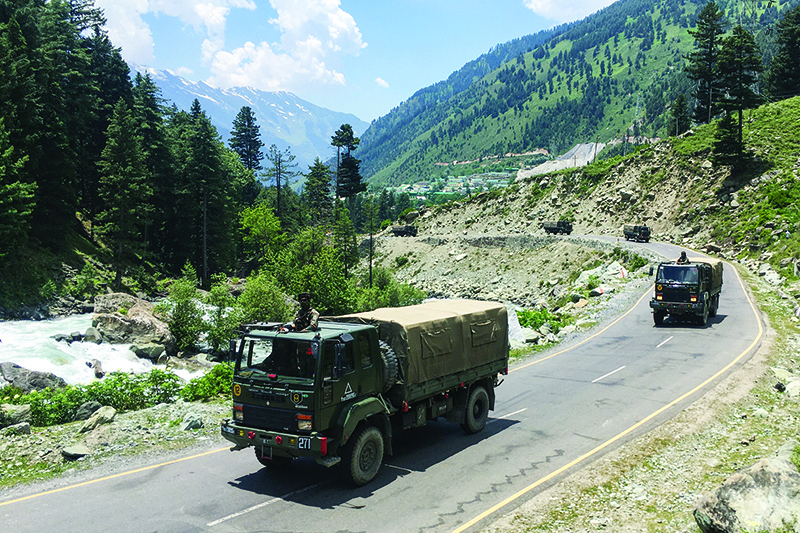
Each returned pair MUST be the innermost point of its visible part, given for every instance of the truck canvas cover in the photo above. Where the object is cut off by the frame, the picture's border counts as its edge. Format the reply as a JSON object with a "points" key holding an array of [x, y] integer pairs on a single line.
{"points": [[440, 337], [716, 268]]}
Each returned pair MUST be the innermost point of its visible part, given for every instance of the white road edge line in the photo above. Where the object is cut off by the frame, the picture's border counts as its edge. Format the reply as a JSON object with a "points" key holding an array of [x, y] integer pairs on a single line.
{"points": [[666, 341], [263, 504], [506, 416], [612, 372]]}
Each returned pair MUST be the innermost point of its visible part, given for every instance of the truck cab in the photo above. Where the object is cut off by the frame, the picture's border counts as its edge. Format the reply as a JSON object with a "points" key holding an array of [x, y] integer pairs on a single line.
{"points": [[291, 389], [687, 289]]}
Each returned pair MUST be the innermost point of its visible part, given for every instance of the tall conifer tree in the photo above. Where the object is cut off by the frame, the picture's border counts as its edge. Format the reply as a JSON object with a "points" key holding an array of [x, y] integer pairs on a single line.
{"points": [[701, 64]]}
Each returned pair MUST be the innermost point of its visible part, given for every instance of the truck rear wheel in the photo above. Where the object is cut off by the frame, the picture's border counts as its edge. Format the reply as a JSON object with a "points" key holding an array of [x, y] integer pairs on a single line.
{"points": [[714, 306], [364, 454], [389, 365], [477, 410]]}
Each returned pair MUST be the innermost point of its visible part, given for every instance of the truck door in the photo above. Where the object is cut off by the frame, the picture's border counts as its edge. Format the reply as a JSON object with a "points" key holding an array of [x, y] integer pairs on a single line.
{"points": [[339, 382]]}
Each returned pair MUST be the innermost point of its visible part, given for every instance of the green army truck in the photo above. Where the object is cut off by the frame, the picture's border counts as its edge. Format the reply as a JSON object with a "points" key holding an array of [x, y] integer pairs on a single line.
{"points": [[687, 290], [557, 226], [636, 233], [337, 394]]}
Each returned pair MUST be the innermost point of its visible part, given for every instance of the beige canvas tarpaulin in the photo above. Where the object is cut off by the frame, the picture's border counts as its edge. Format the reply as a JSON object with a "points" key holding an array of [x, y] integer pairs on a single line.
{"points": [[440, 337]]}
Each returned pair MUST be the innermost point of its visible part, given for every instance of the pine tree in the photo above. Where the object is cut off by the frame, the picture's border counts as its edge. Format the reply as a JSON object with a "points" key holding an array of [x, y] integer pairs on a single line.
{"points": [[317, 196], [738, 65], [701, 64], [344, 138], [680, 116], [282, 169], [345, 238], [123, 189], [16, 198], [782, 79], [246, 139]]}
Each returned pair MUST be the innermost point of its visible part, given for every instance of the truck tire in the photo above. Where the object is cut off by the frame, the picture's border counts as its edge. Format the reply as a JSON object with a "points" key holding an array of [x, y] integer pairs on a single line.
{"points": [[389, 359], [714, 306], [702, 318], [477, 410], [363, 455], [276, 461], [658, 317]]}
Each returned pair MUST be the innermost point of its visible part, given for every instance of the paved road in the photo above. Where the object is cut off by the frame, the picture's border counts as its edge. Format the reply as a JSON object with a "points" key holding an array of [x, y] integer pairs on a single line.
{"points": [[555, 414]]}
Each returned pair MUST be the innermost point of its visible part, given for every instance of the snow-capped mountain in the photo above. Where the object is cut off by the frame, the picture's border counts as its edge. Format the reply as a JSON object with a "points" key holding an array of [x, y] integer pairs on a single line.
{"points": [[284, 119]]}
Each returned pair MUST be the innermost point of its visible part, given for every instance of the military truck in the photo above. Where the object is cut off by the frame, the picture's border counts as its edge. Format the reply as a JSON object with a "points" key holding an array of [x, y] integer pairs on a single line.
{"points": [[561, 226], [636, 233], [337, 394], [688, 290]]}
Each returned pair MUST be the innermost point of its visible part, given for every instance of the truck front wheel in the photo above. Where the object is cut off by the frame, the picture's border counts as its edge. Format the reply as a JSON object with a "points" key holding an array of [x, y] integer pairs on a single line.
{"points": [[658, 317], [477, 410], [364, 455]]}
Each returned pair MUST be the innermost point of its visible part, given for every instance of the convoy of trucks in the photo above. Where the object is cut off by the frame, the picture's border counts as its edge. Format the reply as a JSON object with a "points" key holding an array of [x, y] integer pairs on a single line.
{"points": [[337, 394], [687, 290], [636, 233], [560, 226]]}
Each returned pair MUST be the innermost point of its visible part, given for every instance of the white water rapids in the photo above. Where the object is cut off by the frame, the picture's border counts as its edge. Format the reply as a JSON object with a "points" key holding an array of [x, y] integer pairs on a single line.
{"points": [[29, 344]]}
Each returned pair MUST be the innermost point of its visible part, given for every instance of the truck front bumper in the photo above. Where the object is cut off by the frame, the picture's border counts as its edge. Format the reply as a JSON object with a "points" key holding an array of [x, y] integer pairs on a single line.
{"points": [[677, 308], [283, 444]]}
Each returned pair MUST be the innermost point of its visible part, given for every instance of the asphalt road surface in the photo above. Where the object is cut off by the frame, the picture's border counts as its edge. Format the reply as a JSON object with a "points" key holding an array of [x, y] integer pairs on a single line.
{"points": [[555, 414]]}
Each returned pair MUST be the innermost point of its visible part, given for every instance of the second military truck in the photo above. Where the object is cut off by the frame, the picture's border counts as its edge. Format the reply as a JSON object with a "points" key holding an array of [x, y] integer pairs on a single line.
{"points": [[560, 226], [337, 394], [687, 290], [636, 233]]}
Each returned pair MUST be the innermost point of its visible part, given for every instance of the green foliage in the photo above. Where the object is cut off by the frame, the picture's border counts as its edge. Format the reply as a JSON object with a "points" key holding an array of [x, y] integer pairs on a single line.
{"points": [[123, 392], [593, 283], [224, 318], [386, 291], [401, 261], [262, 300], [536, 318], [184, 316], [215, 383]]}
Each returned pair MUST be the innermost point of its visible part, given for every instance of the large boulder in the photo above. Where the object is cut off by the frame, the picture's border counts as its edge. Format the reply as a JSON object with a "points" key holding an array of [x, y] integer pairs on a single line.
{"points": [[136, 324], [11, 415], [28, 380], [762, 497]]}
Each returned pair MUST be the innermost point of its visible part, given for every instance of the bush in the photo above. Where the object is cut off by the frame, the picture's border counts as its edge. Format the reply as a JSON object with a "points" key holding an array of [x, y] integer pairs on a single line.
{"points": [[224, 318], [217, 382], [184, 316], [262, 301], [536, 318]]}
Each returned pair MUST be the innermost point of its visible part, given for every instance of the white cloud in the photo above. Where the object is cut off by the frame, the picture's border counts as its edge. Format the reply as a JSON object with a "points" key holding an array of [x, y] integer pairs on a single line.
{"points": [[566, 11], [315, 35], [382, 82]]}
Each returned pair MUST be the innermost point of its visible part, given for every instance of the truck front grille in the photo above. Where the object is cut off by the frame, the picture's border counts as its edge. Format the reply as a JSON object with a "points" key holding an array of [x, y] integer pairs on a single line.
{"points": [[269, 419]]}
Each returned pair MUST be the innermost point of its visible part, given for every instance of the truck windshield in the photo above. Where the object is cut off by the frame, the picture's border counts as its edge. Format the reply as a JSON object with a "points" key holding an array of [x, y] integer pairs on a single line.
{"points": [[280, 356], [677, 274]]}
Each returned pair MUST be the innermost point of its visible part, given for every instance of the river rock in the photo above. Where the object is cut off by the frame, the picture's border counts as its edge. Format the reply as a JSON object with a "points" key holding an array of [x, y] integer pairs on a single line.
{"points": [[86, 410], [11, 415], [104, 415], [23, 428], [93, 335], [76, 451], [137, 325], [28, 380], [191, 420], [762, 497], [150, 351]]}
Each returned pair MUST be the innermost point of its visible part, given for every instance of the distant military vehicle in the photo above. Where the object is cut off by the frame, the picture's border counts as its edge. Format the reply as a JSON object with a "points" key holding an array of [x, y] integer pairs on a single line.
{"points": [[336, 394], [687, 289], [406, 230], [561, 226], [636, 233]]}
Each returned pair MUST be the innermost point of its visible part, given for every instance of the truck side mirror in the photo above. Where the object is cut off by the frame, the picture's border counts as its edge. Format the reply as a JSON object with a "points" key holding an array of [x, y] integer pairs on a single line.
{"points": [[651, 270], [232, 350]]}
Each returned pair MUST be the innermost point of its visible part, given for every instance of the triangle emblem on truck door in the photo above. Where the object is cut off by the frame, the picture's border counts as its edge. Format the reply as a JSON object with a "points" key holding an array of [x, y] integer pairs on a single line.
{"points": [[348, 393]]}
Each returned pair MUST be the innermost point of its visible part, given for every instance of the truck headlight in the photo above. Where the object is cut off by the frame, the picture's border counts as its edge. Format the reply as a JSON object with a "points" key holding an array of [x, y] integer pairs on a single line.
{"points": [[238, 413], [304, 422], [693, 299]]}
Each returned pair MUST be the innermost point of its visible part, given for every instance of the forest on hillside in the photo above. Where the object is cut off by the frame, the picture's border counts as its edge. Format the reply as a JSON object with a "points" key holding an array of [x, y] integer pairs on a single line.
{"points": [[100, 176], [616, 74]]}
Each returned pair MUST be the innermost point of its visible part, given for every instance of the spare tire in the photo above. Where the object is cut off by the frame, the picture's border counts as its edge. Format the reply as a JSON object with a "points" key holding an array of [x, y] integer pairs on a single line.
{"points": [[389, 360]]}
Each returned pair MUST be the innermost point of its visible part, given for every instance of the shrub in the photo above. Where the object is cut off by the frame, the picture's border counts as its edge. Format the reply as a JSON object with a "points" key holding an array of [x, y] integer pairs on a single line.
{"points": [[216, 382]]}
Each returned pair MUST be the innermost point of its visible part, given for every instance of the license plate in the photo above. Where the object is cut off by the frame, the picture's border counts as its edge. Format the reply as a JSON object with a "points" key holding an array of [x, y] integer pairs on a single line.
{"points": [[304, 443]]}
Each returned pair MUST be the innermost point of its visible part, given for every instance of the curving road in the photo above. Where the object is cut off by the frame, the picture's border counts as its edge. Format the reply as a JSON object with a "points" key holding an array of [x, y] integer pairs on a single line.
{"points": [[554, 414]]}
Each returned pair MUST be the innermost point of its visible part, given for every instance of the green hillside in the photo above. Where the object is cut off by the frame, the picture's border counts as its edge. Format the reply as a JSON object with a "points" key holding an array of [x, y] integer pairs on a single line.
{"points": [[613, 74]]}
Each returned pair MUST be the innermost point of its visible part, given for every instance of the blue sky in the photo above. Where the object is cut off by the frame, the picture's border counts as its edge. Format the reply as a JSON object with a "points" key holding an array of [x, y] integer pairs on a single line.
{"points": [[355, 56]]}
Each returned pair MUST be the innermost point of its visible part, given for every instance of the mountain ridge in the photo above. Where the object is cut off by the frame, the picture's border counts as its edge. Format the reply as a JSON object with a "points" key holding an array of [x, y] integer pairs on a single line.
{"points": [[285, 119]]}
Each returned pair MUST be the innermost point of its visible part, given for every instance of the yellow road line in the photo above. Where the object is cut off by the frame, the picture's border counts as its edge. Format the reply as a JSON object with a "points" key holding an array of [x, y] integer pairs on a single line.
{"points": [[612, 440], [121, 474]]}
